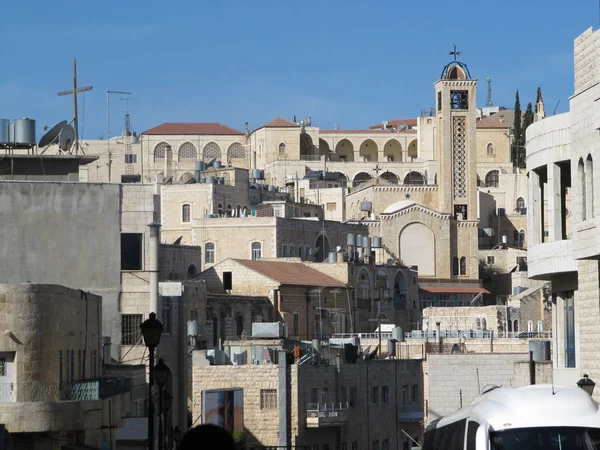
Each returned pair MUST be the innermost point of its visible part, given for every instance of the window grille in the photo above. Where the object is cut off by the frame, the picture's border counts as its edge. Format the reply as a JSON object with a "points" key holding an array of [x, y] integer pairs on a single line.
{"points": [[131, 333], [268, 399]]}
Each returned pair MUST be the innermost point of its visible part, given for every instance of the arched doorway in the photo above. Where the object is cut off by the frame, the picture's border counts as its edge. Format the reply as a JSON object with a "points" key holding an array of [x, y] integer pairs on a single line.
{"points": [[392, 151], [345, 150], [322, 244], [417, 248], [400, 291], [239, 325], [413, 150], [414, 178], [368, 150], [306, 146], [323, 147], [390, 177], [360, 178]]}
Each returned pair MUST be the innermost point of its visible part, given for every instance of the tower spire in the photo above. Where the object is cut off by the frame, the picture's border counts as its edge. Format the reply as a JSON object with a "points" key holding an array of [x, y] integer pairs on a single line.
{"points": [[490, 102]]}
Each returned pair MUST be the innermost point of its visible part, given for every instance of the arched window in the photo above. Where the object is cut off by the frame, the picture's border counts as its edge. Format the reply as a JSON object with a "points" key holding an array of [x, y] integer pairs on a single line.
{"points": [[188, 151], [282, 149], [160, 150], [520, 204], [516, 237], [228, 211], [509, 325], [307, 253], [455, 265], [301, 252], [236, 151], [185, 213], [209, 253], [215, 331], [484, 324], [530, 325], [491, 179], [589, 186], [463, 266], [516, 325], [239, 325], [478, 324], [256, 250], [220, 209], [582, 188], [291, 252], [192, 271], [238, 211], [414, 178], [211, 151], [522, 238], [490, 149]]}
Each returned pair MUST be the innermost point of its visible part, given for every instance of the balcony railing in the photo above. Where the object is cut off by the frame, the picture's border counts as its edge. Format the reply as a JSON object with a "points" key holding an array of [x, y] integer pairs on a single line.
{"points": [[410, 413], [326, 414], [93, 389]]}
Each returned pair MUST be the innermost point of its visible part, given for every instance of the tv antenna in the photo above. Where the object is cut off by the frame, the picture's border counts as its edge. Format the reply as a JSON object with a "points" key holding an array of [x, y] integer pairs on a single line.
{"points": [[108, 128], [74, 92]]}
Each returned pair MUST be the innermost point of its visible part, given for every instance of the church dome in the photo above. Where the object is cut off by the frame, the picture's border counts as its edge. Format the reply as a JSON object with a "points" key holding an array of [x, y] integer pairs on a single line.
{"points": [[456, 70]]}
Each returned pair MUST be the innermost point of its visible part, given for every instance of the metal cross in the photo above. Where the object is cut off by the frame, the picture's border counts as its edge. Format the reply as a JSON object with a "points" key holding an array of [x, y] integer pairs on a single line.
{"points": [[377, 169], [455, 53], [74, 92]]}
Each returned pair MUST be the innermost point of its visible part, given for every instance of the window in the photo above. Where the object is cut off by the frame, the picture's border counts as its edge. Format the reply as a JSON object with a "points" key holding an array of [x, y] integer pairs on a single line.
{"points": [[314, 395], [516, 237], [385, 444], [192, 271], [439, 101], [490, 149], [256, 250], [166, 315], [131, 333], [589, 186], [344, 446], [229, 211], [478, 324], [520, 204], [459, 99], [353, 395], [79, 360], [521, 238], [131, 251], [131, 179], [209, 253], [471, 435], [68, 369], [582, 188], [354, 445], [282, 149], [375, 395], [239, 325], [296, 326], [490, 260], [375, 444], [130, 158], [516, 325], [301, 252], [463, 266], [540, 325], [455, 266], [185, 213], [284, 250], [220, 209], [491, 179], [484, 324], [160, 150], [530, 325], [569, 330], [385, 394], [83, 363], [187, 151], [3, 366], [268, 399], [414, 393], [72, 367]]}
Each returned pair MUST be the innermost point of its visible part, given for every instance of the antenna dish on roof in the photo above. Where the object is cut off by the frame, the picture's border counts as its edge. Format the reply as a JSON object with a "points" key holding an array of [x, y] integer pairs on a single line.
{"points": [[50, 137], [66, 138]]}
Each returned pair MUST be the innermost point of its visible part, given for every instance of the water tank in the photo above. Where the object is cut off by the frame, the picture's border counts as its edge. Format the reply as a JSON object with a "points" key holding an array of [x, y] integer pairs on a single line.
{"points": [[341, 257], [200, 166], [11, 132], [332, 257], [4, 124], [106, 349], [367, 245], [398, 334], [262, 174], [351, 240], [193, 328], [505, 239], [376, 242], [359, 240], [256, 174], [25, 131], [217, 164], [210, 180], [391, 347], [540, 349], [271, 188], [373, 216]]}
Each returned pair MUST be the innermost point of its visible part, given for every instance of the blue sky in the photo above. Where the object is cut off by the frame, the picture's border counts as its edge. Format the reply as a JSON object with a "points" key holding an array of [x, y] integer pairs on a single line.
{"points": [[351, 62]]}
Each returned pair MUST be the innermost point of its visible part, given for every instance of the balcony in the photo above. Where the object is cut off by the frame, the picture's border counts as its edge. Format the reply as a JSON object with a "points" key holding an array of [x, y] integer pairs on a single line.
{"points": [[326, 415], [550, 258], [82, 390], [410, 413]]}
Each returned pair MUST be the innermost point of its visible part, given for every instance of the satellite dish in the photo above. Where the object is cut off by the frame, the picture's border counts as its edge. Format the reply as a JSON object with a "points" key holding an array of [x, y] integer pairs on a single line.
{"points": [[66, 138], [50, 136]]}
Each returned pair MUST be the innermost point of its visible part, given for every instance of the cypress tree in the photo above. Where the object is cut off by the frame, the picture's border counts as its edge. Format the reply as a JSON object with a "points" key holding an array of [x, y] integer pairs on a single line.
{"points": [[527, 120], [517, 133]]}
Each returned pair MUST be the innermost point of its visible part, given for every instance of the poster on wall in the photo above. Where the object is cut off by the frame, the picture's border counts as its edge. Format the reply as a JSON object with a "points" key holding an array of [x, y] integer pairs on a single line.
{"points": [[224, 408]]}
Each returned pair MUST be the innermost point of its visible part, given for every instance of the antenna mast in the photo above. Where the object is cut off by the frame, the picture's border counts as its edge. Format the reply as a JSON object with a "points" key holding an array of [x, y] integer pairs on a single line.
{"points": [[108, 129], [490, 102]]}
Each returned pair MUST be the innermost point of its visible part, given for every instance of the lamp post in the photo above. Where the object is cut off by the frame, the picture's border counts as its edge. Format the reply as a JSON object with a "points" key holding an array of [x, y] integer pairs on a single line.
{"points": [[161, 374], [177, 435], [586, 384], [151, 330], [168, 402]]}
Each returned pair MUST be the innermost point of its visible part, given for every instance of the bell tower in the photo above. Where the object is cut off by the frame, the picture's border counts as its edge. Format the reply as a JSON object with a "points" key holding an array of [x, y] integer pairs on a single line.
{"points": [[456, 115]]}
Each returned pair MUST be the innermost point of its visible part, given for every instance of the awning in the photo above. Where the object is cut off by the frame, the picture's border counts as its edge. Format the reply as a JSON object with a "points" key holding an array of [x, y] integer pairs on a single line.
{"points": [[452, 290]]}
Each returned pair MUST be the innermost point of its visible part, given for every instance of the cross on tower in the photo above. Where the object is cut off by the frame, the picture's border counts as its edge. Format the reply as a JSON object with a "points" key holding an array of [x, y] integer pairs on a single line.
{"points": [[377, 169], [74, 91], [455, 53]]}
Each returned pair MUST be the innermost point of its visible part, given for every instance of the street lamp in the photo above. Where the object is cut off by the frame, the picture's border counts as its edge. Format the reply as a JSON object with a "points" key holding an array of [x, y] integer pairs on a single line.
{"points": [[151, 331], [177, 435], [168, 402], [586, 384], [161, 374]]}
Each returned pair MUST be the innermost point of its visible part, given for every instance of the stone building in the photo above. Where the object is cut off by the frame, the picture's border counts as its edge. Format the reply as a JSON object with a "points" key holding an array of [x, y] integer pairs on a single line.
{"points": [[54, 390], [366, 404], [560, 162]]}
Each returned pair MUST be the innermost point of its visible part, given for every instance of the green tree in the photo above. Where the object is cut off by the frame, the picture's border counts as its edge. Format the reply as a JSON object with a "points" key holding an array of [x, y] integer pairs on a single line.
{"points": [[517, 133]]}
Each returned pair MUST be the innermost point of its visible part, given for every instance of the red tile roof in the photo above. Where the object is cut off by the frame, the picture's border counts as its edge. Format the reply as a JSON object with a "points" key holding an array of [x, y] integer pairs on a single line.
{"points": [[488, 123], [279, 122], [395, 123], [370, 131], [295, 274], [180, 128], [452, 290]]}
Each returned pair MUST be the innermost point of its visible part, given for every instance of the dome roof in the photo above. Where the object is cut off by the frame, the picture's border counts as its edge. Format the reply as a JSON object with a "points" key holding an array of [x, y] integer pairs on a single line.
{"points": [[456, 70]]}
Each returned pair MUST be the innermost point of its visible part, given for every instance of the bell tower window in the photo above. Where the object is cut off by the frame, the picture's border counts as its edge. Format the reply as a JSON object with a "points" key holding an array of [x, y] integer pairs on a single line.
{"points": [[459, 99]]}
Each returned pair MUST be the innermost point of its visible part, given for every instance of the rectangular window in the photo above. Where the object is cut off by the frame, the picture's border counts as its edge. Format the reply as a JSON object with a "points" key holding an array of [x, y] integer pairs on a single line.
{"points": [[3, 367], [268, 399], [131, 179], [296, 324], [569, 330], [186, 213], [314, 395], [131, 333], [540, 325], [256, 250], [344, 446], [332, 206], [132, 251], [414, 393], [385, 393], [68, 368], [209, 253], [375, 395], [72, 374], [353, 395], [130, 158], [166, 315], [490, 260], [344, 395]]}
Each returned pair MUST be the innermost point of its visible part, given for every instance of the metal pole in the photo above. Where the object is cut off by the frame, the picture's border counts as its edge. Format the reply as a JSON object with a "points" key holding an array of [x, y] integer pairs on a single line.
{"points": [[151, 400], [161, 420], [108, 136], [76, 120]]}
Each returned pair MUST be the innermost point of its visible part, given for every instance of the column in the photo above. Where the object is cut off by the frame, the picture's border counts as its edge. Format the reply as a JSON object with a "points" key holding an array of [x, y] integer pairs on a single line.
{"points": [[153, 266], [534, 211], [554, 203]]}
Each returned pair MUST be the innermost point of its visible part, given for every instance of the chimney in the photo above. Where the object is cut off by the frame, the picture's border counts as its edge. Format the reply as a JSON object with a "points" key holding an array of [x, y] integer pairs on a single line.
{"points": [[247, 130]]}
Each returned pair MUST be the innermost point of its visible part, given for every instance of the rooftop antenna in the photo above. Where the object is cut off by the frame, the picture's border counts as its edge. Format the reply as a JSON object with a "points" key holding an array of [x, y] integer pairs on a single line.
{"points": [[108, 128], [555, 108], [490, 102], [74, 92], [127, 138]]}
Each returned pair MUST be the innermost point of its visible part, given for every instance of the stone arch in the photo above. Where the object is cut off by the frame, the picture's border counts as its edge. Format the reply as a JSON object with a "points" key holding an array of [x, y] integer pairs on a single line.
{"points": [[322, 243], [192, 271], [491, 178], [323, 147], [236, 151], [509, 325], [185, 177], [306, 145], [416, 247], [478, 323], [413, 150], [392, 150], [363, 289], [341, 176], [345, 150], [515, 325], [400, 291], [414, 178], [490, 149], [368, 150], [239, 325], [391, 177], [187, 150], [589, 186], [160, 151], [211, 151], [360, 178]]}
